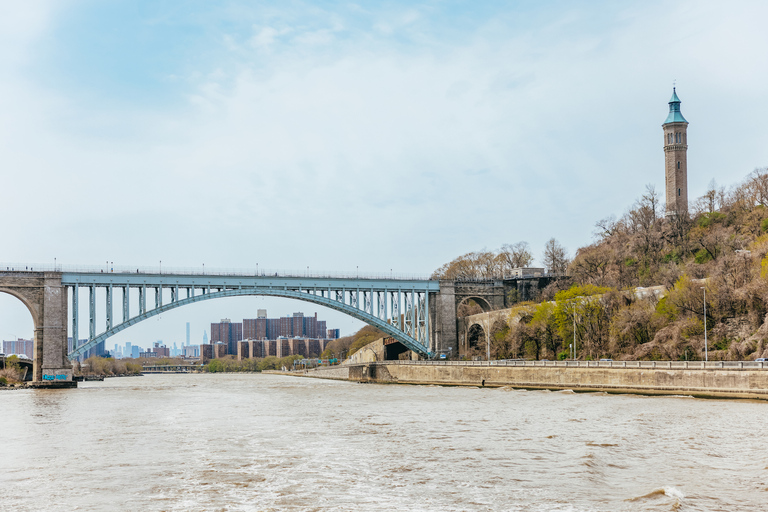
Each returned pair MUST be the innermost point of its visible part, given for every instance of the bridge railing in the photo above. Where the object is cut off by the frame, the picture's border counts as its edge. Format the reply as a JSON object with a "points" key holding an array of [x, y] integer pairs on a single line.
{"points": [[203, 270], [657, 365]]}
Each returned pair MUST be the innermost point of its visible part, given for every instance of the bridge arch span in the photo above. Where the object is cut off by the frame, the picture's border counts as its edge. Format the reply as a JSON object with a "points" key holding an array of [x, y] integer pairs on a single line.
{"points": [[352, 311], [30, 305]]}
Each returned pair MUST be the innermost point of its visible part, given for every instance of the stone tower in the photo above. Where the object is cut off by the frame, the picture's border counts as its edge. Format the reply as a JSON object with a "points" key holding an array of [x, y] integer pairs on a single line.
{"points": [[676, 162]]}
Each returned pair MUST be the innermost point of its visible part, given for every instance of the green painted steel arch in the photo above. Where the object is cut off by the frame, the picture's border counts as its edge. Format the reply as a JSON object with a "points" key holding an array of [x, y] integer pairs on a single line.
{"points": [[383, 326]]}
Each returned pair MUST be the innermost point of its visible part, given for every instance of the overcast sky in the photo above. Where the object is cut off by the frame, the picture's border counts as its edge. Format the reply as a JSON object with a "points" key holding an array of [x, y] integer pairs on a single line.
{"points": [[335, 135]]}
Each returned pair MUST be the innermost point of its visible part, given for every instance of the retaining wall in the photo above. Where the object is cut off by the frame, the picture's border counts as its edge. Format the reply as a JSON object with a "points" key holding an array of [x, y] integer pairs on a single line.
{"points": [[709, 382]]}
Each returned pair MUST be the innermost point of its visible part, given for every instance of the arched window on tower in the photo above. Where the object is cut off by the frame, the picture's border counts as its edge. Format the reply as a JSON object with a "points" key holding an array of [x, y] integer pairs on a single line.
{"points": [[678, 165], [678, 192]]}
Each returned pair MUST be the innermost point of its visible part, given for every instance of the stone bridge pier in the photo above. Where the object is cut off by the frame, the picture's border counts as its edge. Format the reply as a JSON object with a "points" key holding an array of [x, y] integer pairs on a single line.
{"points": [[46, 299]]}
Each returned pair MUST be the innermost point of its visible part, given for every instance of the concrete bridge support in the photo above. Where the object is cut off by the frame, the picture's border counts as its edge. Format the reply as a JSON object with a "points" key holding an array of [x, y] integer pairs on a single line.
{"points": [[46, 300]]}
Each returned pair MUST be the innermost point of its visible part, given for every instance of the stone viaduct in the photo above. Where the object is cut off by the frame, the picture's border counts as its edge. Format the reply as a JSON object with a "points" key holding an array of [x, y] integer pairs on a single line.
{"points": [[491, 295]]}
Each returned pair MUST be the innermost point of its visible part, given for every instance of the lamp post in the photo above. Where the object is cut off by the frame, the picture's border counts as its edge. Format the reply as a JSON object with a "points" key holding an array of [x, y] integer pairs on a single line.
{"points": [[706, 354], [488, 336], [574, 333]]}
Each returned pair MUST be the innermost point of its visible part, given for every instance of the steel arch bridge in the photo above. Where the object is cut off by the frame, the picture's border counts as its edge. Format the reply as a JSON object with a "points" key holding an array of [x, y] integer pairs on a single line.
{"points": [[397, 307]]}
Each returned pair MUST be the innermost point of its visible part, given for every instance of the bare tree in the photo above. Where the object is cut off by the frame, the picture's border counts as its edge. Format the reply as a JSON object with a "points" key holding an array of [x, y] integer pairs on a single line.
{"points": [[650, 200], [555, 257], [605, 228], [517, 255]]}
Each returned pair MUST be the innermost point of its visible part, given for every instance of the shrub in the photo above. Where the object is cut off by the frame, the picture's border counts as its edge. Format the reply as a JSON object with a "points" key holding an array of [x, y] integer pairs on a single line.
{"points": [[702, 256], [692, 327]]}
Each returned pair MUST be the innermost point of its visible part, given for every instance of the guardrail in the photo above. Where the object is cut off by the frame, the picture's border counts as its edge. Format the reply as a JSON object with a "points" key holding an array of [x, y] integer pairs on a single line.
{"points": [[208, 271], [650, 365]]}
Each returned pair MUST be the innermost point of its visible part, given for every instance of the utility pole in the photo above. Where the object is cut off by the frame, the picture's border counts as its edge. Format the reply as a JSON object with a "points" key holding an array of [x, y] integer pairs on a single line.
{"points": [[706, 354]]}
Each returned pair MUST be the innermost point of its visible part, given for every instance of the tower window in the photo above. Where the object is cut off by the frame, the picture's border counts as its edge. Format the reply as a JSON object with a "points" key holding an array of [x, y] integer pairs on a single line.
{"points": [[678, 165], [678, 192]]}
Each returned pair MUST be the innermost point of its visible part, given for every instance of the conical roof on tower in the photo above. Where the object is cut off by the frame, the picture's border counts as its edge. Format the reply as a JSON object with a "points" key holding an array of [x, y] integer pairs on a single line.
{"points": [[675, 116]]}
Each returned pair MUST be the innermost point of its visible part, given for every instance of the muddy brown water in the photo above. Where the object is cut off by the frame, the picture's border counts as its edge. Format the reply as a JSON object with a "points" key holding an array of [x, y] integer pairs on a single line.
{"points": [[269, 442]]}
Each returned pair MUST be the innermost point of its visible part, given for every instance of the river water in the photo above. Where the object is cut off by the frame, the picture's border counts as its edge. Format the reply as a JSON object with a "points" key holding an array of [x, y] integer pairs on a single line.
{"points": [[270, 442]]}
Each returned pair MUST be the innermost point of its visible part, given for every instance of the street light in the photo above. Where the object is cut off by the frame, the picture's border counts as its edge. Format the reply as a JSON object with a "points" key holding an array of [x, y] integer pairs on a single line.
{"points": [[706, 354], [488, 337]]}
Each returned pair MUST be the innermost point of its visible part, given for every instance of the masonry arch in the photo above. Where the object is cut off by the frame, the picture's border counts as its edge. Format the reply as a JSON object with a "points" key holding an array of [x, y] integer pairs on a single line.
{"points": [[24, 300], [17, 309], [465, 305], [382, 325], [475, 341]]}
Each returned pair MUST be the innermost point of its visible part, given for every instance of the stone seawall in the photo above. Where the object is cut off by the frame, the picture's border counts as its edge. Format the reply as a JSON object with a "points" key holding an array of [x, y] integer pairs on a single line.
{"points": [[733, 383], [331, 372]]}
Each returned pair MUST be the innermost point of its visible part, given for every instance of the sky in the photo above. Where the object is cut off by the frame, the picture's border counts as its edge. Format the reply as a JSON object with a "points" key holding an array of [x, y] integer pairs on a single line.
{"points": [[379, 136]]}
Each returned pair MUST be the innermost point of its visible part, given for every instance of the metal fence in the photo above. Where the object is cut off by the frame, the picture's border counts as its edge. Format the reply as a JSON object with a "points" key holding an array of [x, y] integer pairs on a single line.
{"points": [[650, 365], [208, 271]]}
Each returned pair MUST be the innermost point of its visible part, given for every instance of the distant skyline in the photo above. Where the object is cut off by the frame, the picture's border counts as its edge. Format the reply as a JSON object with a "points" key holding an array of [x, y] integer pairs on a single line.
{"points": [[381, 137]]}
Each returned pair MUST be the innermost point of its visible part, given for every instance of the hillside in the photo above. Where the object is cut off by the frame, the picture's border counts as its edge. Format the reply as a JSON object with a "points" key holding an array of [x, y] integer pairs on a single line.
{"points": [[719, 248]]}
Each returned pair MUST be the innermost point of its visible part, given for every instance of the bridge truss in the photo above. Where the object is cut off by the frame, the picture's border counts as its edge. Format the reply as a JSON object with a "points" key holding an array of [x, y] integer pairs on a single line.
{"points": [[397, 307]]}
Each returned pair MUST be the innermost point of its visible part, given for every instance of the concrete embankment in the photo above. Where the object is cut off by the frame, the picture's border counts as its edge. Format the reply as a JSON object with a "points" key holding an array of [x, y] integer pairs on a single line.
{"points": [[662, 378]]}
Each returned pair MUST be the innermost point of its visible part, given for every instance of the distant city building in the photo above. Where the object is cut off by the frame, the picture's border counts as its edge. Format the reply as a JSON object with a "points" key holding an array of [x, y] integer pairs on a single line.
{"points": [[227, 332], [205, 337], [135, 351], [206, 353], [20, 346], [148, 354], [192, 351], [262, 337], [220, 349], [161, 350], [272, 328], [97, 351], [281, 347]]}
